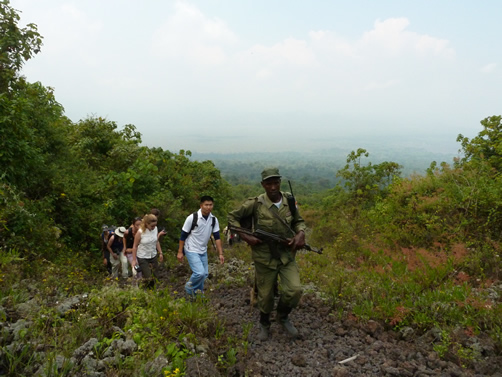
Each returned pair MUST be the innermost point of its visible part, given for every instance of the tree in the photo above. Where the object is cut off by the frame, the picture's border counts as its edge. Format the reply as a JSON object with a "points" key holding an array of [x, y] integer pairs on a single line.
{"points": [[367, 181], [32, 138], [32, 123], [487, 146], [17, 45], [97, 141]]}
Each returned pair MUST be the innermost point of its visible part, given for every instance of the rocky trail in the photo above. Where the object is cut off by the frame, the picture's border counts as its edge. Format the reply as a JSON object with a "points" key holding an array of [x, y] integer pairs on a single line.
{"points": [[325, 343], [330, 347]]}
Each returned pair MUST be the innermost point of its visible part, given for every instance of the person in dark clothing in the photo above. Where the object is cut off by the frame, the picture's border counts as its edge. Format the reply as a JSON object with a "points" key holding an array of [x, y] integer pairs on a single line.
{"points": [[116, 248], [273, 212], [161, 231], [105, 236]]}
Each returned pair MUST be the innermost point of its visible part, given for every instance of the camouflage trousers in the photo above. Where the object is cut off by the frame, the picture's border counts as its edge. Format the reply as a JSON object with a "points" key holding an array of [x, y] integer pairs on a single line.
{"points": [[290, 287]]}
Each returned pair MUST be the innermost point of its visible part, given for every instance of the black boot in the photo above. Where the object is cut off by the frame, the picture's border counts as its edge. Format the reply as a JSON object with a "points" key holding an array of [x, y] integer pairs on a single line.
{"points": [[264, 326], [282, 317]]}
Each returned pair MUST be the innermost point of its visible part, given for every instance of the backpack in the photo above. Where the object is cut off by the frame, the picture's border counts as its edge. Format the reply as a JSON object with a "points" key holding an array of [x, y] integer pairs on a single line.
{"points": [[129, 239], [196, 218]]}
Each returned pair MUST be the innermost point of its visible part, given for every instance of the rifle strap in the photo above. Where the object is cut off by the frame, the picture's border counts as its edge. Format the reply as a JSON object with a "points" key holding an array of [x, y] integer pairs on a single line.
{"points": [[259, 200], [276, 214], [255, 207]]}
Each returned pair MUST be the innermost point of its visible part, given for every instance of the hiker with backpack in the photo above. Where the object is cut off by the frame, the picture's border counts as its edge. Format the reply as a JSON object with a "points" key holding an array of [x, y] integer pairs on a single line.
{"points": [[195, 235], [105, 236], [116, 248], [274, 212]]}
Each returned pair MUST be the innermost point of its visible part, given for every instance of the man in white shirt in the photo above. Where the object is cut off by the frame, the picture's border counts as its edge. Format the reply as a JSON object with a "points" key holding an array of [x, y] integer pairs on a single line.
{"points": [[195, 235]]}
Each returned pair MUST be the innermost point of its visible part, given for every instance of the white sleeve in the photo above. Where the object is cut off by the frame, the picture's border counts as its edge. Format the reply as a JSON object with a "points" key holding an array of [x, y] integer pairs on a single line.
{"points": [[187, 226]]}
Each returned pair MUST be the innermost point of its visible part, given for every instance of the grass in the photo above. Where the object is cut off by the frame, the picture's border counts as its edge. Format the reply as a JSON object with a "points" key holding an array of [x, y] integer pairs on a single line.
{"points": [[413, 287]]}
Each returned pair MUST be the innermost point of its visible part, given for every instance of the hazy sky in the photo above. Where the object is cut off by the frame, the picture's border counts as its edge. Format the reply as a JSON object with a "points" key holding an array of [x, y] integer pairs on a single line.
{"points": [[253, 75]]}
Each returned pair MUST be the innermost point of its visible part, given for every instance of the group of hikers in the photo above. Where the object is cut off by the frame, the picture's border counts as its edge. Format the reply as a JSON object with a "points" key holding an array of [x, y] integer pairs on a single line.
{"points": [[137, 246], [273, 211]]}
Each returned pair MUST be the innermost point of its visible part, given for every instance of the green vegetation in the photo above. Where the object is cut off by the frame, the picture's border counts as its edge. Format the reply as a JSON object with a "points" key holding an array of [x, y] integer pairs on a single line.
{"points": [[420, 252], [59, 180], [161, 325]]}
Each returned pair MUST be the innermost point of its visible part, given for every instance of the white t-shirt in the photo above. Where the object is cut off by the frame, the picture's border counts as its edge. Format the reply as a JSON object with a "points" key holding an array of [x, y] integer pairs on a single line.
{"points": [[278, 204], [147, 247], [198, 239]]}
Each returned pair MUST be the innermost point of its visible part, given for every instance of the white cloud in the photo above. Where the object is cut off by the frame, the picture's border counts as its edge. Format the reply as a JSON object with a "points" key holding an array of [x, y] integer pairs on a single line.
{"points": [[263, 73], [330, 44], [391, 37], [388, 47], [189, 34], [489, 68], [75, 36], [288, 53], [387, 35], [380, 85], [314, 71]]}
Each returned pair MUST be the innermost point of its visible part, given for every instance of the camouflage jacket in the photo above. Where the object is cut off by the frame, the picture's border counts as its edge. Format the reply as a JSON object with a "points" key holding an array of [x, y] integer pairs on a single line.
{"points": [[261, 209]]}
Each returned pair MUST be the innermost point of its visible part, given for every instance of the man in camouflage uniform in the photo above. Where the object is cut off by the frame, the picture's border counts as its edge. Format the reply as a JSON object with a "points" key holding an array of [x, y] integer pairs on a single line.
{"points": [[274, 213]]}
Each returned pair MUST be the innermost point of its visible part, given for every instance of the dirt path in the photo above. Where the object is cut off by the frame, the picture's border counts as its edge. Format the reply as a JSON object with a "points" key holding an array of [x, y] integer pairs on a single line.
{"points": [[325, 341]]}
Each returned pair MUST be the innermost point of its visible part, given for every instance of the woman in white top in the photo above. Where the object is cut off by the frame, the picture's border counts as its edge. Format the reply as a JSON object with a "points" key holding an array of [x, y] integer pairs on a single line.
{"points": [[146, 250]]}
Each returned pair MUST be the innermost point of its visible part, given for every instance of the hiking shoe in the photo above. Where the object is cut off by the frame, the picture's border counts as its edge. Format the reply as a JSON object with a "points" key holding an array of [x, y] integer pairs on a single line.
{"points": [[289, 327], [263, 334]]}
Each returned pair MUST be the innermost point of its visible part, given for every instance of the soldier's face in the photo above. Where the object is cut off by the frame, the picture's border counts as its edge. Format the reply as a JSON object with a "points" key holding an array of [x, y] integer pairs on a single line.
{"points": [[272, 187]]}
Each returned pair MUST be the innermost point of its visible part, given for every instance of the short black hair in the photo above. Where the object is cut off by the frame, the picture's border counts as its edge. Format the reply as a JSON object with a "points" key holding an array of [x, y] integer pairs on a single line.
{"points": [[206, 198]]}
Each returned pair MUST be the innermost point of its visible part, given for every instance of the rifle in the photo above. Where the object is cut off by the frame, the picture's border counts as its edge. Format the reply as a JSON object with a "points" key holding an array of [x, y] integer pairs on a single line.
{"points": [[267, 236], [291, 190]]}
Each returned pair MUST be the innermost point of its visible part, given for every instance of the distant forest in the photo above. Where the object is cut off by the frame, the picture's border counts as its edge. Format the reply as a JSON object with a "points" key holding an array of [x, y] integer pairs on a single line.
{"points": [[314, 171]]}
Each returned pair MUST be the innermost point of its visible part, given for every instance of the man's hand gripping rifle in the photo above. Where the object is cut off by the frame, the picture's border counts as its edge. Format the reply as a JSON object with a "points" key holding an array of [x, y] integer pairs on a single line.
{"points": [[267, 236]]}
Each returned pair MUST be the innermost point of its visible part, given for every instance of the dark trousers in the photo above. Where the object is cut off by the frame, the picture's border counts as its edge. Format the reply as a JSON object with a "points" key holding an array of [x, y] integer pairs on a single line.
{"points": [[145, 264], [108, 263]]}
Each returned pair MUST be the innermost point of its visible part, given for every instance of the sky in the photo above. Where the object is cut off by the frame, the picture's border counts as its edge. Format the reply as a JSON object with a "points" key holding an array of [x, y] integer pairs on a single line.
{"points": [[254, 75]]}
